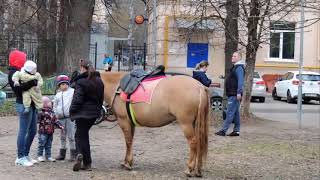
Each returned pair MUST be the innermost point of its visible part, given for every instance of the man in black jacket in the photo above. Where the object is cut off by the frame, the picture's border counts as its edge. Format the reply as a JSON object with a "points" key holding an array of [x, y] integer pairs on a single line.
{"points": [[234, 90]]}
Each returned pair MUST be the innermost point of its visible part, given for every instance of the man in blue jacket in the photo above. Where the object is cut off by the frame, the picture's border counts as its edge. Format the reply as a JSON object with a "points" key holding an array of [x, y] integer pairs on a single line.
{"points": [[234, 91]]}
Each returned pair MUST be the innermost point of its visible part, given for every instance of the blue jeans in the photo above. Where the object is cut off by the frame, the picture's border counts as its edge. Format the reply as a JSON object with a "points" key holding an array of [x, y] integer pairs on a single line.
{"points": [[45, 143], [233, 114], [27, 129]]}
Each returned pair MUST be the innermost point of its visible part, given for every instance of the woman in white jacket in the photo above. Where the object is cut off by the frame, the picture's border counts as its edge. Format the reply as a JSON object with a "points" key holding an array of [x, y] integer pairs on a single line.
{"points": [[61, 106]]}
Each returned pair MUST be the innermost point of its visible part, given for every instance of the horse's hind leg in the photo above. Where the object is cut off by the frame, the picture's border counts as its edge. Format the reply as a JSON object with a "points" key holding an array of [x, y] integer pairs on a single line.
{"points": [[188, 131], [128, 131]]}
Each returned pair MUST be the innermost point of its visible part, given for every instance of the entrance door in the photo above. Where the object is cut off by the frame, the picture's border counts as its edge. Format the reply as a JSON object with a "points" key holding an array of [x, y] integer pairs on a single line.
{"points": [[196, 53]]}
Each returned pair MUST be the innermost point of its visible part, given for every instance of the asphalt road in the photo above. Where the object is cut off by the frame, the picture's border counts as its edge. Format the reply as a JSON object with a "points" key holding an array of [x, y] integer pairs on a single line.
{"points": [[284, 112]]}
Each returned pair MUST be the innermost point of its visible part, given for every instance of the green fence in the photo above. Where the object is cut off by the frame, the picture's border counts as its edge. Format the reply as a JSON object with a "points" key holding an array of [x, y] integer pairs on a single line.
{"points": [[49, 86]]}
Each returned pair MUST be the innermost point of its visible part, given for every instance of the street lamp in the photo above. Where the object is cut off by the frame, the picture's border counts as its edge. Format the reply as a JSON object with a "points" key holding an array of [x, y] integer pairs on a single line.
{"points": [[301, 63], [140, 19]]}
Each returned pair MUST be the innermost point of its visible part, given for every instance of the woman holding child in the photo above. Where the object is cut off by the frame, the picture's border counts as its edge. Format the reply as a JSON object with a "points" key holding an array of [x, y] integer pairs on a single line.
{"points": [[27, 119]]}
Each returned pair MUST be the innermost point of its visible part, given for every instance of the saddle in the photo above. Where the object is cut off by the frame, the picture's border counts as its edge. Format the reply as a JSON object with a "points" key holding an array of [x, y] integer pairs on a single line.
{"points": [[130, 82]]}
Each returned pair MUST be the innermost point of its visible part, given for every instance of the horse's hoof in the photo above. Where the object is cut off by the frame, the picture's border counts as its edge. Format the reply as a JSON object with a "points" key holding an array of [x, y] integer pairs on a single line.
{"points": [[189, 173], [198, 174], [126, 166]]}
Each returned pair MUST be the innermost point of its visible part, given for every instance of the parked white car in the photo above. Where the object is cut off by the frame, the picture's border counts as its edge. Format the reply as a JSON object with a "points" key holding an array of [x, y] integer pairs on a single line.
{"points": [[258, 88], [287, 86]]}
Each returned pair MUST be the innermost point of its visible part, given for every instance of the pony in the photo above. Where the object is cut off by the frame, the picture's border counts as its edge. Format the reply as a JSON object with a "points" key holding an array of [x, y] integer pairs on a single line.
{"points": [[175, 98]]}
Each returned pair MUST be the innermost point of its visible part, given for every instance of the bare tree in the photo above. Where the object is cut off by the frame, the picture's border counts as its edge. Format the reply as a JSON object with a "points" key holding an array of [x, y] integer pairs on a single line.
{"points": [[78, 18]]}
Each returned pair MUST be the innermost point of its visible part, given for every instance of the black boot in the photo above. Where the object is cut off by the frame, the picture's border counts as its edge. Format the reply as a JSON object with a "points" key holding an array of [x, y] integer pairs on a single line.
{"points": [[73, 154], [86, 167], [62, 155], [77, 165], [221, 133]]}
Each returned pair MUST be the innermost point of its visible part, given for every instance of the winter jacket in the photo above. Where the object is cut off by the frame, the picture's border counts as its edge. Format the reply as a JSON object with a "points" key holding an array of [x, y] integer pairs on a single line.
{"points": [[235, 80], [88, 97], [62, 102], [108, 60], [202, 77], [47, 121], [23, 86]]}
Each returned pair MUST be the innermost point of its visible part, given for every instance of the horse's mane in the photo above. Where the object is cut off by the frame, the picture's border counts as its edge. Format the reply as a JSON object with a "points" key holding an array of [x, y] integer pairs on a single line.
{"points": [[111, 76]]}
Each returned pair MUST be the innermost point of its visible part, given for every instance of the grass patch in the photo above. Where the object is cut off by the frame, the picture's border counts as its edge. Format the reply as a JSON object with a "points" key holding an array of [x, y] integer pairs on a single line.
{"points": [[271, 149], [285, 149], [8, 108]]}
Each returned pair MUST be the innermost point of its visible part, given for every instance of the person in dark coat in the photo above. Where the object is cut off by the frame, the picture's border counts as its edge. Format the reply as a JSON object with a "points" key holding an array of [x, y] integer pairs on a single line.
{"points": [[27, 122], [84, 110], [200, 73]]}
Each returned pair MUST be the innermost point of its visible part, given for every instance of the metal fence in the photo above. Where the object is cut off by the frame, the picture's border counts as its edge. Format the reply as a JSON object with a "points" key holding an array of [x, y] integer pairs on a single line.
{"points": [[29, 46], [126, 61], [93, 48]]}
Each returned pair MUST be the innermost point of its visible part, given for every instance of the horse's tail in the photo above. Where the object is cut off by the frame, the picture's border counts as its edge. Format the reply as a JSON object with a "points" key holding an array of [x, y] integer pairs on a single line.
{"points": [[201, 128]]}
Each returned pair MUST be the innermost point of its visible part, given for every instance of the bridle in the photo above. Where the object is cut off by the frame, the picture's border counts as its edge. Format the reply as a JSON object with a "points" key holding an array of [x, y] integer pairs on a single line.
{"points": [[117, 92]]}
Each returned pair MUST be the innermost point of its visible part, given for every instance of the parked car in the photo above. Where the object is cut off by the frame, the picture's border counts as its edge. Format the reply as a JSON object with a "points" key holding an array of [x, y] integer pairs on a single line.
{"points": [[258, 88], [258, 92], [287, 86], [216, 95]]}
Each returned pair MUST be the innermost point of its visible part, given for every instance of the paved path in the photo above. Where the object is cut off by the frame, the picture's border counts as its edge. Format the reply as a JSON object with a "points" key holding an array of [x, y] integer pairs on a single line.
{"points": [[284, 112]]}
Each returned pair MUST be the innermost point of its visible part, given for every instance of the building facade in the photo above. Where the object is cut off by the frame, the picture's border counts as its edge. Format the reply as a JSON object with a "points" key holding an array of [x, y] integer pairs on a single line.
{"points": [[179, 49]]}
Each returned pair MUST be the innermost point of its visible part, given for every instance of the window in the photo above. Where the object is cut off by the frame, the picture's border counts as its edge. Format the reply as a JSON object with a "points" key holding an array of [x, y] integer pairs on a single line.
{"points": [[256, 75], [282, 40], [290, 76], [285, 76], [309, 77]]}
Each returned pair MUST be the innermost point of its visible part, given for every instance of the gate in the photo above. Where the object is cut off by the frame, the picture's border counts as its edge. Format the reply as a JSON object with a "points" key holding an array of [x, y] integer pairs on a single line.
{"points": [[129, 58], [93, 54]]}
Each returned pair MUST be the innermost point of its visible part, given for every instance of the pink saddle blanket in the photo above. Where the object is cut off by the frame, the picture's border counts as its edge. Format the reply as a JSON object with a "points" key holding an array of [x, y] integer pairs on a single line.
{"points": [[144, 91]]}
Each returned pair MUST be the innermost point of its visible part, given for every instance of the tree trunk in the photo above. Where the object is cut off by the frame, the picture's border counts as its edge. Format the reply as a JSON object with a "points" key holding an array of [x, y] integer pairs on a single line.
{"points": [[251, 54], [231, 35], [52, 37], [3, 44], [77, 40], [42, 38], [21, 30], [130, 28], [61, 32]]}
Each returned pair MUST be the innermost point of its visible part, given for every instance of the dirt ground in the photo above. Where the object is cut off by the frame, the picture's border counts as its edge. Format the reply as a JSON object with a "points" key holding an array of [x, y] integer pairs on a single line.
{"points": [[265, 150]]}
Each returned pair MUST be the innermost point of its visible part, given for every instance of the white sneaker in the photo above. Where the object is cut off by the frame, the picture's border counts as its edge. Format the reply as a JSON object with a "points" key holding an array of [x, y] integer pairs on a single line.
{"points": [[51, 159], [41, 159], [16, 161], [23, 162], [31, 160]]}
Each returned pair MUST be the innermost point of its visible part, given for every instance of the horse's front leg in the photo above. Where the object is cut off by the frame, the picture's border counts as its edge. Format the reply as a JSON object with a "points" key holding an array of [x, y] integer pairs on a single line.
{"points": [[128, 132]]}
